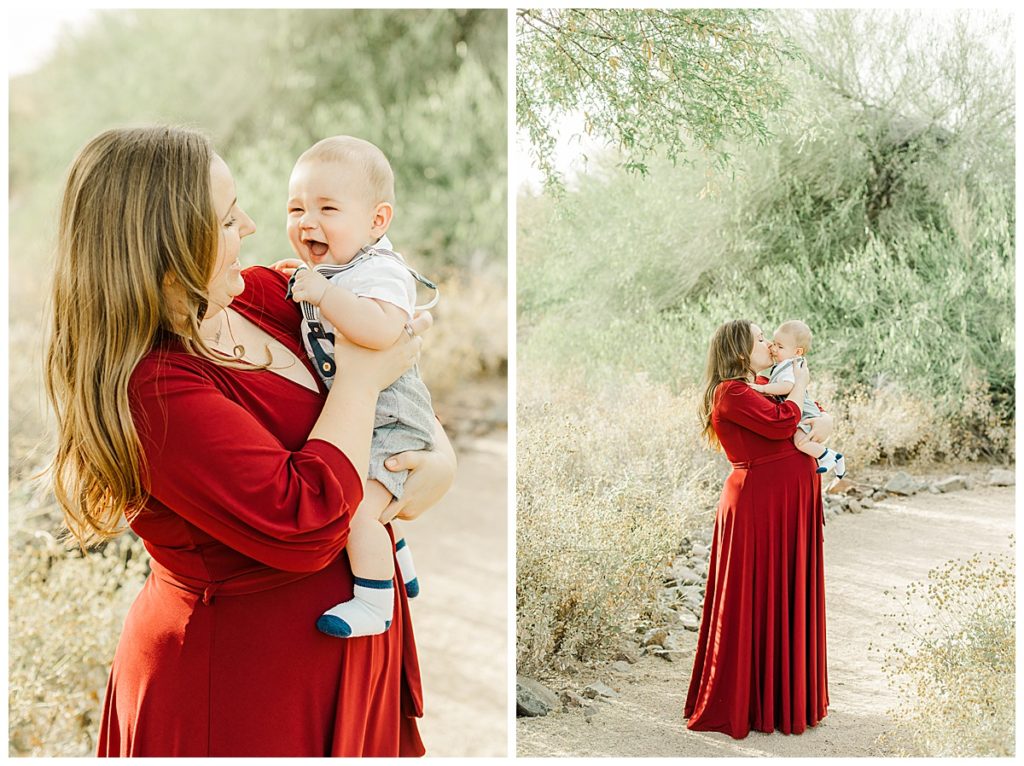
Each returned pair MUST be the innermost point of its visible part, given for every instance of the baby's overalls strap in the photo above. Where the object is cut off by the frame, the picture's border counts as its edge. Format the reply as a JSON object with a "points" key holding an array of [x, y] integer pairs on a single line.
{"points": [[318, 342]]}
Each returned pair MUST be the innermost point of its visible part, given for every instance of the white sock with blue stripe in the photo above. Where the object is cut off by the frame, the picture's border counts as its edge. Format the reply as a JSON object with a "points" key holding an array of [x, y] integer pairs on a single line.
{"points": [[405, 566], [366, 614]]}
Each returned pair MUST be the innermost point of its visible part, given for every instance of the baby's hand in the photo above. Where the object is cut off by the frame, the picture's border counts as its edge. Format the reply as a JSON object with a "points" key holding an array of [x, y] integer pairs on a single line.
{"points": [[757, 387], [310, 286], [286, 266]]}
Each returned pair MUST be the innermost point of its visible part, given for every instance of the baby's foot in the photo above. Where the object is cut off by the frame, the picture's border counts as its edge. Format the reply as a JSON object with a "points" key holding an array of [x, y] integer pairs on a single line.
{"points": [[840, 466], [405, 566], [366, 614], [827, 460]]}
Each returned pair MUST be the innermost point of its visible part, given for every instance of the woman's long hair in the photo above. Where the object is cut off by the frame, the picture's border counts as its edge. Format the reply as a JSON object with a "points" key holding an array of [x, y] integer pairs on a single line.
{"points": [[137, 215], [728, 359]]}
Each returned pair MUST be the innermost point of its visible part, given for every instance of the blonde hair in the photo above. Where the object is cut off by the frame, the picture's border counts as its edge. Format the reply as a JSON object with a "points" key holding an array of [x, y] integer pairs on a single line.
{"points": [[728, 359], [363, 157], [137, 213], [799, 331]]}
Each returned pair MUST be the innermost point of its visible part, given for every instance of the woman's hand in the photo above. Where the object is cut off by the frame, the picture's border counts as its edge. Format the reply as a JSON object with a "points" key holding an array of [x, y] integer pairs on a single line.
{"points": [[821, 427], [286, 266], [431, 473], [381, 368]]}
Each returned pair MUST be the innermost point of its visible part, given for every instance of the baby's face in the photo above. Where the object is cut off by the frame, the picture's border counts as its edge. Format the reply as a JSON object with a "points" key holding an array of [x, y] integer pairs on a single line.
{"points": [[784, 346], [330, 217]]}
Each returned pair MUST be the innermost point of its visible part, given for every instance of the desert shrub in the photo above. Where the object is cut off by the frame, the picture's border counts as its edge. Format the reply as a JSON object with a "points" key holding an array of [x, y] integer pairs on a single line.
{"points": [[609, 478], [65, 615], [469, 339], [953, 663]]}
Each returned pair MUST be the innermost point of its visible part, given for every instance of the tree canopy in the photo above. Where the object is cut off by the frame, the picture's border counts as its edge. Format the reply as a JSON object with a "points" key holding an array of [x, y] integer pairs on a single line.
{"points": [[649, 81]]}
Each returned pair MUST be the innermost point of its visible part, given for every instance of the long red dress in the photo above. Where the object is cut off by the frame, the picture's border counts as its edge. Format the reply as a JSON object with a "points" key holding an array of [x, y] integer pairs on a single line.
{"points": [[760, 660], [247, 523]]}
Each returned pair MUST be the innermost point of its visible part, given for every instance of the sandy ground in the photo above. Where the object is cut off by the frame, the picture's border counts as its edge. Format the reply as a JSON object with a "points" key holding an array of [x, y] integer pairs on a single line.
{"points": [[461, 615], [890, 545]]}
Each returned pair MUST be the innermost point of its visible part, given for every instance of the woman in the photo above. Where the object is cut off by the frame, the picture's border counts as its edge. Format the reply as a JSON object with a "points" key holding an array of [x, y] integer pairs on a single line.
{"points": [[760, 660], [185, 403]]}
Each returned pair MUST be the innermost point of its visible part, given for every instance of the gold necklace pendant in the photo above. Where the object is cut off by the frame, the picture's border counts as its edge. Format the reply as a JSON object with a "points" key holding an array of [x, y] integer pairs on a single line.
{"points": [[238, 351]]}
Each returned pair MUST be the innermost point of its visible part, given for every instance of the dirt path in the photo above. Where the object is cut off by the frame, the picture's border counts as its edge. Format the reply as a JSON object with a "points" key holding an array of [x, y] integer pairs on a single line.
{"points": [[461, 615], [890, 545]]}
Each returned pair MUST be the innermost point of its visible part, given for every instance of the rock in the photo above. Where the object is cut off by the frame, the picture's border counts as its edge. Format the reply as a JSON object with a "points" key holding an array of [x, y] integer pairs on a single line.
{"points": [[621, 666], [533, 698], [699, 551], [999, 477], [589, 712], [571, 700], [669, 655], [901, 484], [854, 506], [598, 689], [690, 621], [684, 575], [654, 636], [867, 502], [628, 654], [878, 494], [952, 484], [934, 489], [840, 487]]}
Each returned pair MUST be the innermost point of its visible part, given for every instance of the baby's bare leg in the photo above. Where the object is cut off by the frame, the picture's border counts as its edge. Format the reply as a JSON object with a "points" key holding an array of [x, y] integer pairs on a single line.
{"points": [[369, 544], [370, 553], [805, 444]]}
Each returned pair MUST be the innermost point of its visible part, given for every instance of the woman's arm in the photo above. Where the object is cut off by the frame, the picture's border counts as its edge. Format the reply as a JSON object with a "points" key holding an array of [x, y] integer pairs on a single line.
{"points": [[431, 473], [737, 402]]}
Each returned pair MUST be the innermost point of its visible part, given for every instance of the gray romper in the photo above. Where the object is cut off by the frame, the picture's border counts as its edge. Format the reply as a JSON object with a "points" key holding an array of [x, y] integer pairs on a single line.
{"points": [[783, 372], [404, 419]]}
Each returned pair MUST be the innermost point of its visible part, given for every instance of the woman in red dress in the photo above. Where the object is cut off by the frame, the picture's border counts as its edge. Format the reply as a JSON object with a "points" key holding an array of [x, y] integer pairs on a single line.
{"points": [[760, 659], [202, 424]]}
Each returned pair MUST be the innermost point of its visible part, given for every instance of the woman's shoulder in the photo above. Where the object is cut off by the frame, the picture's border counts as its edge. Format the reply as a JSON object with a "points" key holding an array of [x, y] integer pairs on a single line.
{"points": [[168, 358]]}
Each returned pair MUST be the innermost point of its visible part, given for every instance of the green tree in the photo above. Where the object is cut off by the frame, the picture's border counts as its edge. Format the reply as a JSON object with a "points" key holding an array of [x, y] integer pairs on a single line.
{"points": [[649, 81]]}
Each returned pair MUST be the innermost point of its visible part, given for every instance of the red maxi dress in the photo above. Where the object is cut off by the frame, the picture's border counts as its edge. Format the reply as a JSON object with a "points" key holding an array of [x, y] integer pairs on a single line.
{"points": [[760, 660], [246, 526]]}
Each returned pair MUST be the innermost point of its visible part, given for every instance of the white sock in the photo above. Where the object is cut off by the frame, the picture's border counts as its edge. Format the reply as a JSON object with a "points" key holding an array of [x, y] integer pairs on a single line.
{"points": [[826, 461], [407, 568], [366, 614], [840, 466]]}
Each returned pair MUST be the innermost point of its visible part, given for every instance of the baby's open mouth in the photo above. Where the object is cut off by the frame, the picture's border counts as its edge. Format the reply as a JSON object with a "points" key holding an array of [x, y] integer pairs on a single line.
{"points": [[316, 248]]}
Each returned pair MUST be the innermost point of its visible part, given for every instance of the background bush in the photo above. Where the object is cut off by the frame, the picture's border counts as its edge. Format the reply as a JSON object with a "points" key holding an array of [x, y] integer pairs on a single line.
{"points": [[954, 661]]}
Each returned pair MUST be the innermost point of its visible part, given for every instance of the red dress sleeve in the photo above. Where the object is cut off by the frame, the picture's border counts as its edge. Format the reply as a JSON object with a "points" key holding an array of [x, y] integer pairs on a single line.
{"points": [[737, 402], [211, 462]]}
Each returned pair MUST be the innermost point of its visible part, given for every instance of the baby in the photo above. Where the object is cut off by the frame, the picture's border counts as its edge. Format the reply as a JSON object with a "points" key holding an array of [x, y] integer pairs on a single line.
{"points": [[793, 340], [340, 202]]}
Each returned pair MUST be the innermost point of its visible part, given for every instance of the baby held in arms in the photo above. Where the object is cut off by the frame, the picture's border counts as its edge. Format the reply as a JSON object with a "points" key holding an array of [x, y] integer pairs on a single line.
{"points": [[351, 281], [791, 342]]}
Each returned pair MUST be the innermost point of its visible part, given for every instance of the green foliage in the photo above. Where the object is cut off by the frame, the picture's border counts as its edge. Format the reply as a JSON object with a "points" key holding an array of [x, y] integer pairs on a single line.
{"points": [[954, 660], [428, 86], [903, 268], [649, 81]]}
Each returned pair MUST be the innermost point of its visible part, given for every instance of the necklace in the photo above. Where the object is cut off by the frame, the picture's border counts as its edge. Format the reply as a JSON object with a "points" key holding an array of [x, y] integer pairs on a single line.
{"points": [[237, 350]]}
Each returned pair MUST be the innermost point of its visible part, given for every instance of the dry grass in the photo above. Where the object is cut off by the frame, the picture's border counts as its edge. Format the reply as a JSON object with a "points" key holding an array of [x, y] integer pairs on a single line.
{"points": [[65, 616], [609, 479], [890, 425], [953, 663]]}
